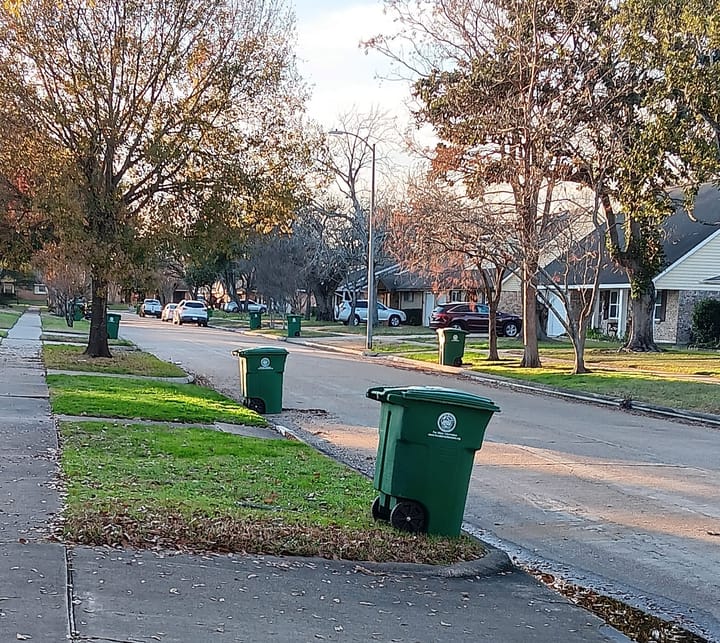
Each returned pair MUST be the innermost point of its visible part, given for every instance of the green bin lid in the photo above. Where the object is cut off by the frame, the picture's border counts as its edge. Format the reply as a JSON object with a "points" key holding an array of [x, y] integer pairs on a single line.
{"points": [[442, 331], [433, 394], [259, 350]]}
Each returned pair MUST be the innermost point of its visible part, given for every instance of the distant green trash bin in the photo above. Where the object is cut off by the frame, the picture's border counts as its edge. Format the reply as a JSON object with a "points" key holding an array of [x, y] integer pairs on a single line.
{"points": [[293, 325], [209, 312], [261, 377], [78, 312], [451, 346], [426, 449], [255, 320], [113, 325]]}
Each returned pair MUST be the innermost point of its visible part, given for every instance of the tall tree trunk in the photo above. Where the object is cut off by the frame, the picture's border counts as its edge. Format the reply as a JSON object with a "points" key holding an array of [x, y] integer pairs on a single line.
{"points": [[578, 341], [493, 355], [98, 340], [642, 308], [324, 297], [531, 356]]}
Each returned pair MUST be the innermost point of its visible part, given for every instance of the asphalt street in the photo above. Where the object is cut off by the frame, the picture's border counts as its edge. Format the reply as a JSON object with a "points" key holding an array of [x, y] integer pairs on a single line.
{"points": [[621, 502]]}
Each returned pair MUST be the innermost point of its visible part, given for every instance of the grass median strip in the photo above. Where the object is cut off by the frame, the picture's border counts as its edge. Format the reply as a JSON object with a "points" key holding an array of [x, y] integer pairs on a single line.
{"points": [[151, 400], [71, 358], [155, 486], [8, 318], [662, 390]]}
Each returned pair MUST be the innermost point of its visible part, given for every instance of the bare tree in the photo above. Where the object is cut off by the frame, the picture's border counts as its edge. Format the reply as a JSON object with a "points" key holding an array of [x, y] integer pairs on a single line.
{"points": [[570, 282], [350, 160], [454, 240]]}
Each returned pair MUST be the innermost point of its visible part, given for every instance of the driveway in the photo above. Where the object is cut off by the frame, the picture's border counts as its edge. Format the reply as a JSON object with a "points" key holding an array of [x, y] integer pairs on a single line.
{"points": [[623, 503]]}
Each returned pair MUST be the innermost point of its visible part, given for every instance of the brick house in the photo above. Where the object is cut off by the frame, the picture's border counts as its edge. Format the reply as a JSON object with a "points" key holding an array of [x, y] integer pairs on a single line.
{"points": [[691, 273]]}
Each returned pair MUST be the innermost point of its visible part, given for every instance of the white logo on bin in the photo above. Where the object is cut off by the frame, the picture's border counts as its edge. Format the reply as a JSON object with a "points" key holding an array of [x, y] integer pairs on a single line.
{"points": [[446, 422], [446, 425], [264, 362]]}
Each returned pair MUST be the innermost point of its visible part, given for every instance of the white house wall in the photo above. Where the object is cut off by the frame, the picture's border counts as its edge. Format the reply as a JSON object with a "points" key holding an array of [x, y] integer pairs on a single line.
{"points": [[692, 272]]}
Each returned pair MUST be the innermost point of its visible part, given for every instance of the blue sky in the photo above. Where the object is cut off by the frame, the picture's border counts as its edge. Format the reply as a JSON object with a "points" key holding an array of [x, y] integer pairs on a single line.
{"points": [[341, 75]]}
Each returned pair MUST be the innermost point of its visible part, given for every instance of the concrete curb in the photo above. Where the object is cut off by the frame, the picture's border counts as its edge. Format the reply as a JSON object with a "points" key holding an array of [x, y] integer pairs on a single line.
{"points": [[494, 562]]}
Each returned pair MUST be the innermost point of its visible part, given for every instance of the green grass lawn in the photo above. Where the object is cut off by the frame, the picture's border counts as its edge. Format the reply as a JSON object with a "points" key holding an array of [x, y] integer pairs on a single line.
{"points": [[664, 390], [379, 331], [152, 400], [150, 485], [71, 358], [8, 318], [52, 322]]}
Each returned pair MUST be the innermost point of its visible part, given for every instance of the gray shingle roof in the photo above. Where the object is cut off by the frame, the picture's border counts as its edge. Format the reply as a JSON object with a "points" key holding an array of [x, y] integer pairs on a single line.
{"points": [[682, 232]]}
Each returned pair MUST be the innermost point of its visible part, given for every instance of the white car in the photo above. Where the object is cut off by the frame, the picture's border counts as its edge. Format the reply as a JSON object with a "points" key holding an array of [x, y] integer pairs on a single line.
{"points": [[391, 316], [244, 305], [151, 307], [190, 311], [167, 313]]}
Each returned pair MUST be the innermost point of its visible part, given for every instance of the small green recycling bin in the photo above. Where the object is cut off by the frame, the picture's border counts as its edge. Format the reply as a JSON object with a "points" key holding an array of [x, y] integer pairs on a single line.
{"points": [[293, 325], [255, 320], [261, 377], [426, 448], [451, 346], [113, 325]]}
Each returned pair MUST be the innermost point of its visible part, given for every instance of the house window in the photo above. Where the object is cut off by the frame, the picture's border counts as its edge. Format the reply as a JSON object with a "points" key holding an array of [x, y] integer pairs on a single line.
{"points": [[40, 289], [408, 296], [660, 305], [613, 307], [456, 295], [8, 288]]}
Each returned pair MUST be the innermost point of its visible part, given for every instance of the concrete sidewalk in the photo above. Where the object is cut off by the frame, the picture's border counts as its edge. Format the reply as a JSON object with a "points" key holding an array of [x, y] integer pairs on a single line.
{"points": [[52, 593]]}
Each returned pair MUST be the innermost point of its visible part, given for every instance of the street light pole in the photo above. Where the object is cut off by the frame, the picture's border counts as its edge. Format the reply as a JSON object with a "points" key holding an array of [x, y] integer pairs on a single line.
{"points": [[372, 305]]}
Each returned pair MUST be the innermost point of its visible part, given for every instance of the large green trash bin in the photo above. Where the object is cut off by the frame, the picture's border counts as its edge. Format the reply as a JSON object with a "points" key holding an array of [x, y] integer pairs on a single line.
{"points": [[426, 448], [451, 346], [293, 325], [261, 377], [255, 320], [78, 312], [113, 325]]}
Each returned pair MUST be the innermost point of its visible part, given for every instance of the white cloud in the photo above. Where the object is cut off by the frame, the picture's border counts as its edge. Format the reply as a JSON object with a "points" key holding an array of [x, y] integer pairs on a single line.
{"points": [[342, 75]]}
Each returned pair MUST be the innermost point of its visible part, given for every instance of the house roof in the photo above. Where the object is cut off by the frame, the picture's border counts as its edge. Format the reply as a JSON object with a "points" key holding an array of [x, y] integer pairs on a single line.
{"points": [[682, 232]]}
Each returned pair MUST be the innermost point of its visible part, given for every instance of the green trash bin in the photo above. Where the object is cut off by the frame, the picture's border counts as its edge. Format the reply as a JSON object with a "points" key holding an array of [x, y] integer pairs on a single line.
{"points": [[261, 377], [209, 312], [293, 325], [255, 320], [113, 325], [426, 449], [451, 346], [78, 312]]}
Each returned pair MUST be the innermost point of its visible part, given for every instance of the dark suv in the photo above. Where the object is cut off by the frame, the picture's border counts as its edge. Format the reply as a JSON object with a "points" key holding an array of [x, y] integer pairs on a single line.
{"points": [[473, 318]]}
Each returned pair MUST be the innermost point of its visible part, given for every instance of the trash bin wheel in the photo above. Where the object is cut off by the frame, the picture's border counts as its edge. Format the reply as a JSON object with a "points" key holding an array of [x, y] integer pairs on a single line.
{"points": [[457, 361], [408, 515], [255, 404], [378, 511]]}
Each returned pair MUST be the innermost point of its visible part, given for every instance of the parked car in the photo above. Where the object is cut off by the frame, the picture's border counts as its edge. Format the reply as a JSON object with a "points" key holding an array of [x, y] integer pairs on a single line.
{"points": [[167, 312], [473, 318], [392, 316], [244, 305], [190, 311], [151, 307]]}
